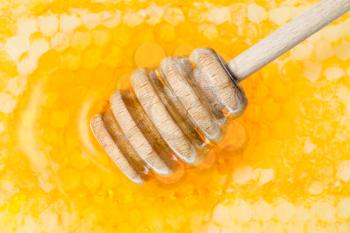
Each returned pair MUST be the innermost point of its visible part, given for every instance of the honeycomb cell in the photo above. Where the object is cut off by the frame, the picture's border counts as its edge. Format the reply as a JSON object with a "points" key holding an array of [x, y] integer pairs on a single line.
{"points": [[332, 33], [302, 51], [37, 48], [334, 73], [284, 211], [27, 65], [316, 188], [209, 31], [243, 211], [222, 214], [60, 41], [265, 175], [90, 20], [15, 86], [343, 92], [342, 51], [243, 175], [256, 13], [309, 146], [343, 208], [132, 19], [111, 19], [219, 15], [253, 227], [324, 211], [323, 50], [343, 227], [48, 25], [27, 26], [173, 15], [68, 23], [153, 14], [302, 214], [312, 71], [16, 46], [280, 15], [272, 227], [343, 170], [8, 103]]}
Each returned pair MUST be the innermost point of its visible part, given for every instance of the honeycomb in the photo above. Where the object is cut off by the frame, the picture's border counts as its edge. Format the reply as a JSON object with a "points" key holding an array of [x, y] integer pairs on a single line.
{"points": [[283, 166]]}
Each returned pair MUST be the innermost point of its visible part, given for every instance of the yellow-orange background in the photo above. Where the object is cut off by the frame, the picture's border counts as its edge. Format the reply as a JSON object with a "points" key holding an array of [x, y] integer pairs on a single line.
{"points": [[283, 166]]}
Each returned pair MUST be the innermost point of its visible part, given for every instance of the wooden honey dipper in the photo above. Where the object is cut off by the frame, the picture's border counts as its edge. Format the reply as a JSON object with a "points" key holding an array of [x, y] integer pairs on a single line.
{"points": [[172, 115]]}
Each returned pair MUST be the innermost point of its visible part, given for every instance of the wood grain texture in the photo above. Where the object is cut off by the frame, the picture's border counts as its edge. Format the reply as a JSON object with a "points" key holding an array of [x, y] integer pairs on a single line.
{"points": [[120, 140], [196, 110], [161, 118], [286, 37], [111, 148], [134, 135], [215, 82], [176, 110]]}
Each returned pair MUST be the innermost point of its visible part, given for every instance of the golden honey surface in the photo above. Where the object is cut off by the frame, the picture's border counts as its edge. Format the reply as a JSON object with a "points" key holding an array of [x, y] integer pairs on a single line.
{"points": [[283, 166]]}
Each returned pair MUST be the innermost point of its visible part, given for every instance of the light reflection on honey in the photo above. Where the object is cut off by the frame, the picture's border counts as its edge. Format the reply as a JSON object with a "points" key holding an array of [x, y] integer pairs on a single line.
{"points": [[283, 165]]}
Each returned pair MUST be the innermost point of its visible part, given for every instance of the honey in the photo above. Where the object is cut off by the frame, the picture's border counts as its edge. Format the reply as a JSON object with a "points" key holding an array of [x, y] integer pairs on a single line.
{"points": [[283, 166]]}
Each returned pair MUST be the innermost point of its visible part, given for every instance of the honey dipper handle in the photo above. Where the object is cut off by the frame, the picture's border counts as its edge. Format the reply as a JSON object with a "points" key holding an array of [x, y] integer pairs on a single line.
{"points": [[286, 37]]}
